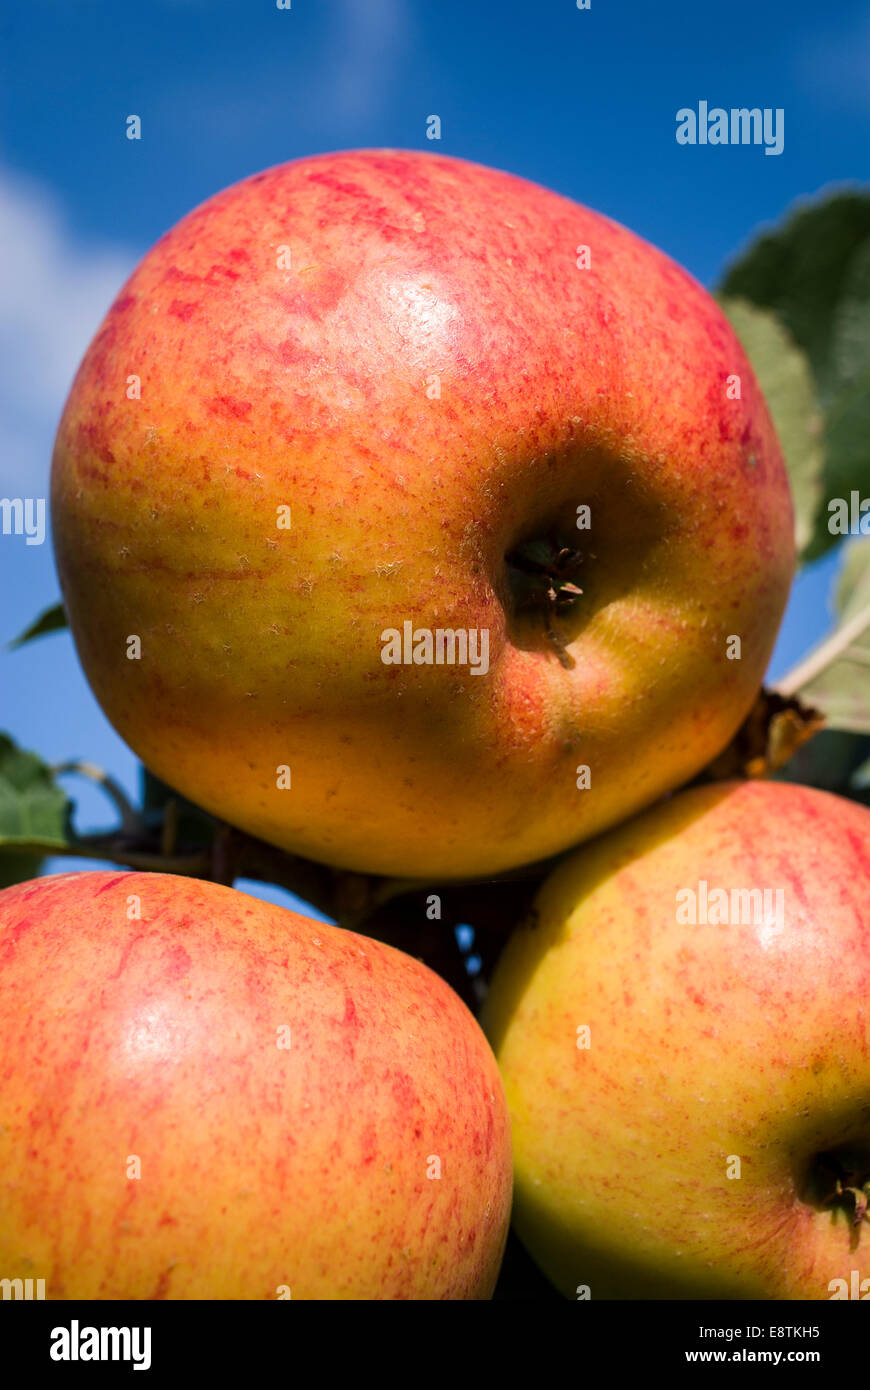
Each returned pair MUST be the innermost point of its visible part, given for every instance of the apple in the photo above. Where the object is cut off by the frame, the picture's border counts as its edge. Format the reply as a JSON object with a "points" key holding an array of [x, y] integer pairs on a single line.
{"points": [[394, 483], [205, 1096], [683, 1031]]}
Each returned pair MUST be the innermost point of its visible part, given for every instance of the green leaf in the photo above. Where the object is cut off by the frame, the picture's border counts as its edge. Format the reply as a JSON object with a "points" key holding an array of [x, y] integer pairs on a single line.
{"points": [[784, 375], [802, 270], [850, 345], [835, 678], [847, 431], [52, 620], [813, 273], [32, 807], [853, 585], [847, 454], [34, 812]]}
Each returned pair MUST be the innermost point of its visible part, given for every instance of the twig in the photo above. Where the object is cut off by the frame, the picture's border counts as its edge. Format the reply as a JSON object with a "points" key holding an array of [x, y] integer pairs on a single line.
{"points": [[131, 821]]}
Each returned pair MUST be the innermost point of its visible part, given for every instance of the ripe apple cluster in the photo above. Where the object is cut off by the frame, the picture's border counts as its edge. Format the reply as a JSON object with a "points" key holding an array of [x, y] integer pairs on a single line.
{"points": [[549, 483]]}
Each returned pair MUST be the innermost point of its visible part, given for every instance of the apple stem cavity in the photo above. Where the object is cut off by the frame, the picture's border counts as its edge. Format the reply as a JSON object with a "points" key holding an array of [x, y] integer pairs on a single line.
{"points": [[541, 574]]}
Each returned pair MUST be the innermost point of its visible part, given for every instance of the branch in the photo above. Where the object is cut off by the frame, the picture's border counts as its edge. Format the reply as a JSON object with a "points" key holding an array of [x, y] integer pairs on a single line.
{"points": [[113, 850]]}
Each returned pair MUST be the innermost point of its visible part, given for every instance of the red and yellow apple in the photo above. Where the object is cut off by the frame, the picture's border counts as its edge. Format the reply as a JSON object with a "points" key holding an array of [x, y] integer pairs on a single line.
{"points": [[377, 393], [687, 1060], [205, 1096]]}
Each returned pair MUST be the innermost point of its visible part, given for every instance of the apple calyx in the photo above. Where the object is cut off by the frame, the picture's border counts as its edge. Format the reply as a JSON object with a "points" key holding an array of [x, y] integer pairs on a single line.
{"points": [[542, 574]]}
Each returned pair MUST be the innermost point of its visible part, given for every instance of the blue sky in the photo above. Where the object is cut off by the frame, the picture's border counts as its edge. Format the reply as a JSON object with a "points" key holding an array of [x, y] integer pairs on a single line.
{"points": [[582, 101]]}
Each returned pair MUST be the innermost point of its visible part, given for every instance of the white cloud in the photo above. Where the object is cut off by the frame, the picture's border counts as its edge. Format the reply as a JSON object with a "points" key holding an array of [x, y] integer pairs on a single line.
{"points": [[54, 291]]}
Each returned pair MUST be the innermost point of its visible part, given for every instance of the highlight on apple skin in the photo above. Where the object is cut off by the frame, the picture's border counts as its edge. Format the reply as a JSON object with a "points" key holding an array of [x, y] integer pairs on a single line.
{"points": [[367, 402], [688, 1067], [205, 1096]]}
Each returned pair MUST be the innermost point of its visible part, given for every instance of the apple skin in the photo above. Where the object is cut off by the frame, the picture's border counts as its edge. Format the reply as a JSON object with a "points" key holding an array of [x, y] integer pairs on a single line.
{"points": [[260, 1167], [264, 386], [706, 1041]]}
